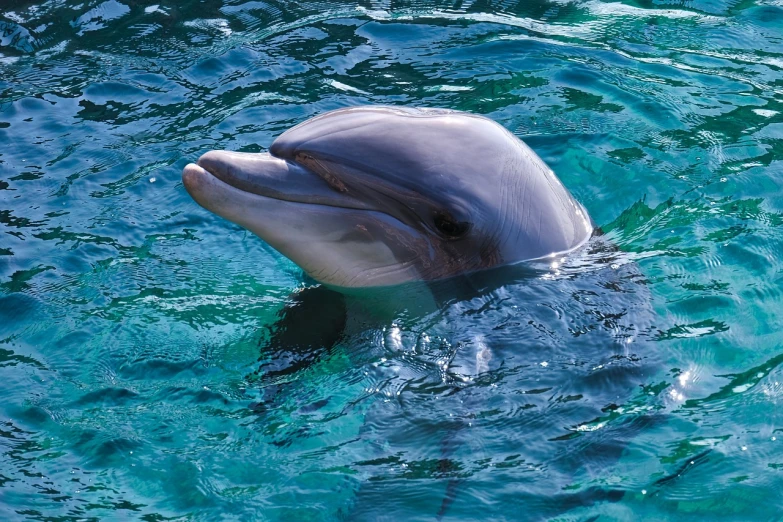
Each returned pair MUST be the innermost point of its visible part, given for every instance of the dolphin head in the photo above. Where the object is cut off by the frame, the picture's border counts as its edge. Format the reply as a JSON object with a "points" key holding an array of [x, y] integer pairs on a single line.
{"points": [[376, 196]]}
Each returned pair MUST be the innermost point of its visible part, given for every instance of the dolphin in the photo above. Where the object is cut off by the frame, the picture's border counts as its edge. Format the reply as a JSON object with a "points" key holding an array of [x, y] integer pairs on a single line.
{"points": [[376, 196]]}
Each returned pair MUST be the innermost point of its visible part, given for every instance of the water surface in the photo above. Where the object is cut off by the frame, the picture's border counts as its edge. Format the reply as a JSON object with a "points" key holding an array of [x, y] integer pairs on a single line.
{"points": [[140, 379]]}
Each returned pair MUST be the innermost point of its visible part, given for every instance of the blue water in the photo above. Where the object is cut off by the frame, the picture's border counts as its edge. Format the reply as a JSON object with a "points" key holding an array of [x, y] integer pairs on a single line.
{"points": [[140, 368]]}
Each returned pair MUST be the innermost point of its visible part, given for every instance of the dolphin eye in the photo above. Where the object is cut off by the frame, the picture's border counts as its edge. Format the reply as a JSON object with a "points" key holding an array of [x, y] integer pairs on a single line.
{"points": [[450, 228]]}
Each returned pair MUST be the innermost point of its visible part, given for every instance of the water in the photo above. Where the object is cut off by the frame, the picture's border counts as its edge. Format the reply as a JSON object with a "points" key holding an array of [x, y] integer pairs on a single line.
{"points": [[140, 379]]}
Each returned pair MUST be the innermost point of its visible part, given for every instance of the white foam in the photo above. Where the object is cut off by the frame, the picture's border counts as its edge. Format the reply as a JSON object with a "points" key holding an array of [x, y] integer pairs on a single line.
{"points": [[765, 112], [343, 87]]}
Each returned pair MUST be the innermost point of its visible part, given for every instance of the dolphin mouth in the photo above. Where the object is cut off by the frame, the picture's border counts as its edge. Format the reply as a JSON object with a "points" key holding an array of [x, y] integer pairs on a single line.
{"points": [[268, 176]]}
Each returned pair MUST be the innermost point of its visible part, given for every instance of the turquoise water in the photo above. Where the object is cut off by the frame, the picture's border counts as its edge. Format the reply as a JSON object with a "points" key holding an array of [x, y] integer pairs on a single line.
{"points": [[142, 371]]}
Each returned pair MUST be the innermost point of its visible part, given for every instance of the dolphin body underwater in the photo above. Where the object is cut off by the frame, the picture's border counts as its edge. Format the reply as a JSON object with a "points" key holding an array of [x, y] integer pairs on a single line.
{"points": [[378, 200]]}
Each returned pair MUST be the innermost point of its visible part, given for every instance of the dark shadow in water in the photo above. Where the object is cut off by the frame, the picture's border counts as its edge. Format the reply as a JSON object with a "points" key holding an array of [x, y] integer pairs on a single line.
{"points": [[310, 324]]}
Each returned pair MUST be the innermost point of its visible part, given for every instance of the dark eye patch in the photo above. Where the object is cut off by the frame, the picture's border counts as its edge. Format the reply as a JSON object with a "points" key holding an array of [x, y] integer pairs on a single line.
{"points": [[449, 227]]}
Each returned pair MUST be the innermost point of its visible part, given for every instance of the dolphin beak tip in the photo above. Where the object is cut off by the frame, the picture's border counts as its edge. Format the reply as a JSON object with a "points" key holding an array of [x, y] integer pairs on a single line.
{"points": [[192, 176]]}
